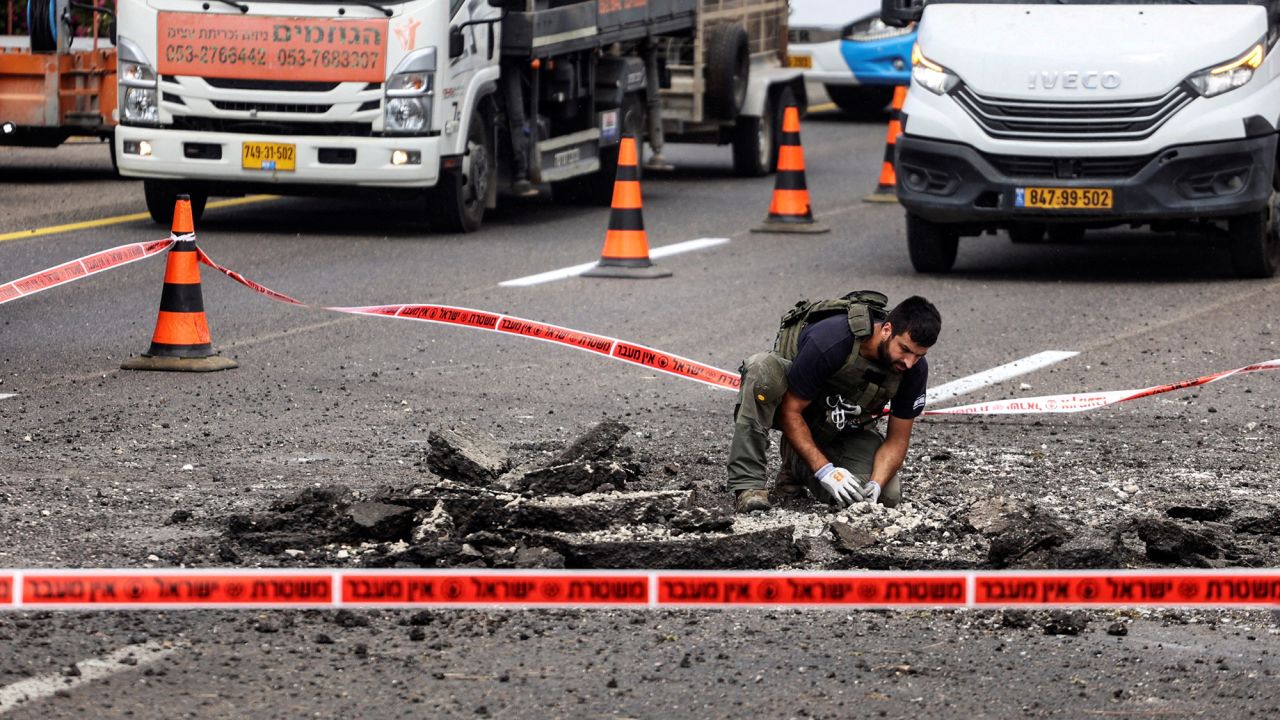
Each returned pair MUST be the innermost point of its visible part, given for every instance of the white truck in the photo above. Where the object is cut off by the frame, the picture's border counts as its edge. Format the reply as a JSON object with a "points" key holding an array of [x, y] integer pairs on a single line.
{"points": [[1058, 116], [451, 100]]}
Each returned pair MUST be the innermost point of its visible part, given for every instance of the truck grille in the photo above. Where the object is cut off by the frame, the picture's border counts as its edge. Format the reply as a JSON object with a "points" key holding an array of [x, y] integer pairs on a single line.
{"points": [[271, 127], [270, 107], [1098, 120], [1067, 168]]}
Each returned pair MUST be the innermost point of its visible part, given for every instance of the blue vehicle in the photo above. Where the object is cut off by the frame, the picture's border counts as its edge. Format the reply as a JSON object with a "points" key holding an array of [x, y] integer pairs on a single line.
{"points": [[844, 45]]}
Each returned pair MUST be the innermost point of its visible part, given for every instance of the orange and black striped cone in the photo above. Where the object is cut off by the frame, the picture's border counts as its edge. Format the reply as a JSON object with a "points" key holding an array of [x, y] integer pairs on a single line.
{"points": [[886, 189], [790, 212], [181, 341], [626, 247]]}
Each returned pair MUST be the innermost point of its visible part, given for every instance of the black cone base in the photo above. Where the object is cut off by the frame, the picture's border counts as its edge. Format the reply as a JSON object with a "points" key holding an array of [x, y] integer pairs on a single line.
{"points": [[213, 363], [617, 271]]}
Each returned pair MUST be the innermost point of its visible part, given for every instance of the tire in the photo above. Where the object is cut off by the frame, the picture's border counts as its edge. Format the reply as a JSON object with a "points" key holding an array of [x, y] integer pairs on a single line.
{"points": [[161, 196], [1066, 234], [861, 101], [1255, 241], [457, 203], [1027, 234], [42, 25], [755, 139], [727, 69], [596, 189], [932, 245]]}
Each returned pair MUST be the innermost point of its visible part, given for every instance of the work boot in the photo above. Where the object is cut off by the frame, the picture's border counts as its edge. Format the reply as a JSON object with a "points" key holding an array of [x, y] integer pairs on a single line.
{"points": [[752, 501]]}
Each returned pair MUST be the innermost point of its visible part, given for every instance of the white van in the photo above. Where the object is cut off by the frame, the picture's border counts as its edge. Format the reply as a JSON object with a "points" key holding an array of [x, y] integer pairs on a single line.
{"points": [[1057, 116]]}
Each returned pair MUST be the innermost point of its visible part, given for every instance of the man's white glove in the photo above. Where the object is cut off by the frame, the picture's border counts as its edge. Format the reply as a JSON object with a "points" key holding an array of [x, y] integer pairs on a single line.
{"points": [[871, 492], [840, 483]]}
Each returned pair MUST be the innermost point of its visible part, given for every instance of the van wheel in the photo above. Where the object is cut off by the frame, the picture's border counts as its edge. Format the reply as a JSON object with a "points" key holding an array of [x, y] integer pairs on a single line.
{"points": [[1255, 241], [1026, 234], [755, 139], [932, 245], [162, 195], [1066, 234], [728, 67], [457, 204]]}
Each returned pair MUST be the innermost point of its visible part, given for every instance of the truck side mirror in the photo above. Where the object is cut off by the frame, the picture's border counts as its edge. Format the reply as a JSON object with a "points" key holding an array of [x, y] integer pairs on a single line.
{"points": [[498, 3], [901, 13], [456, 43]]}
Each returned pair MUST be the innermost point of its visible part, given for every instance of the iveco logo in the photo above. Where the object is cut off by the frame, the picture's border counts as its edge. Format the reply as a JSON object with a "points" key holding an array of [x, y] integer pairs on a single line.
{"points": [[1072, 80]]}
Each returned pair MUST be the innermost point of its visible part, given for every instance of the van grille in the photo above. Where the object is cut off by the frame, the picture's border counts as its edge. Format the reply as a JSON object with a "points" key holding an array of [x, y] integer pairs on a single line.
{"points": [[1059, 120], [1067, 168]]}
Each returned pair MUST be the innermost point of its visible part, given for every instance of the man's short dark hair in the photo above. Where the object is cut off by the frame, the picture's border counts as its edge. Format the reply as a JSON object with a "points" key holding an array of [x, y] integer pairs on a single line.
{"points": [[919, 317]]}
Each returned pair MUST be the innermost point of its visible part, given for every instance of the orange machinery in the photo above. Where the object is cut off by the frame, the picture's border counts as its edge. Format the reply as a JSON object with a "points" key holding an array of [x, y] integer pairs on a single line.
{"points": [[59, 79]]}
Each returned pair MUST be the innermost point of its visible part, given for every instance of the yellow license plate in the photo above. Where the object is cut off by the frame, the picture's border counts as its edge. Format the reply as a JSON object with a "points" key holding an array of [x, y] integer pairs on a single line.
{"points": [[1047, 198], [800, 61], [268, 156]]}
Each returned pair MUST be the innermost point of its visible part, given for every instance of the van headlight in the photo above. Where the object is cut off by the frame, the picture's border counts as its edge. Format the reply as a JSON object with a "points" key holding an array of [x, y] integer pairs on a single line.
{"points": [[932, 76], [408, 106], [1231, 75]]}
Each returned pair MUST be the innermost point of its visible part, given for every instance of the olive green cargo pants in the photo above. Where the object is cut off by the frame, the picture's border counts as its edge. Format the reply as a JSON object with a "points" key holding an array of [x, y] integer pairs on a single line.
{"points": [[764, 382]]}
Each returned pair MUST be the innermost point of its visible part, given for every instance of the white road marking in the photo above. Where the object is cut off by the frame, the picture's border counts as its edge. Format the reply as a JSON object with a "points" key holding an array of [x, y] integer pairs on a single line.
{"points": [[980, 380], [657, 252], [6, 396], [126, 658]]}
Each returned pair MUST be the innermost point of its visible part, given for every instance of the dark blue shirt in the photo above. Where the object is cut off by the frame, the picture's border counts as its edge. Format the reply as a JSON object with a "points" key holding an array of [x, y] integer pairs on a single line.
{"points": [[825, 347]]}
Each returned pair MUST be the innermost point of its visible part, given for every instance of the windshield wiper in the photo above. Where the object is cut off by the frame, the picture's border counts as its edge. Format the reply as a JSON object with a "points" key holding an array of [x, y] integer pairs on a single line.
{"points": [[384, 10], [236, 5]]}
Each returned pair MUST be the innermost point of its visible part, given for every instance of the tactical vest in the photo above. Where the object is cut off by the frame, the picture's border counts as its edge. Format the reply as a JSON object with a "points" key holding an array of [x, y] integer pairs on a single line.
{"points": [[856, 395]]}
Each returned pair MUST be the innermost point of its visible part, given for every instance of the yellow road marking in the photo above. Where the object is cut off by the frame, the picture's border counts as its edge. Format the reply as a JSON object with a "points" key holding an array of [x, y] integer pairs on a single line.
{"points": [[822, 107], [119, 219]]}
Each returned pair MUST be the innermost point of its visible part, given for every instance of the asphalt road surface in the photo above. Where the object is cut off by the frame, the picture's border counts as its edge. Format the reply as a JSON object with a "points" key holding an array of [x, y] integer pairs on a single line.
{"points": [[95, 461]]}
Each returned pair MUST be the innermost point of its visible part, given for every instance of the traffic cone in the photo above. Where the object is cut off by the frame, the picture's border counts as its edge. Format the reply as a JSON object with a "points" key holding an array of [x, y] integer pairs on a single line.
{"points": [[790, 211], [886, 190], [181, 341], [626, 247]]}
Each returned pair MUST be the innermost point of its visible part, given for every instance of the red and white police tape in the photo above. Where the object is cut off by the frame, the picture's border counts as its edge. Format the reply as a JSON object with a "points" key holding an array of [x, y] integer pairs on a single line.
{"points": [[509, 324], [598, 344], [172, 589], [84, 267]]}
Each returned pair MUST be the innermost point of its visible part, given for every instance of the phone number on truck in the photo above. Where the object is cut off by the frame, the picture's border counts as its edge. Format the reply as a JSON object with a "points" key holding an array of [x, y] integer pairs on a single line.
{"points": [[287, 57]]}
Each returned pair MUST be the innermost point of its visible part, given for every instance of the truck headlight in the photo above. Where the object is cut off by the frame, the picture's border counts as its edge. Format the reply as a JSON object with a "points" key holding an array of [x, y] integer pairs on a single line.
{"points": [[931, 76], [873, 28], [1229, 76], [140, 105], [408, 107]]}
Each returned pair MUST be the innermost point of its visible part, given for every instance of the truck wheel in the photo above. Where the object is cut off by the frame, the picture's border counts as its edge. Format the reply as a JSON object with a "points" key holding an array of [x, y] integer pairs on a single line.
{"points": [[1255, 242], [1026, 234], [42, 25], [932, 245], [728, 68], [457, 204], [161, 196], [861, 101], [755, 140]]}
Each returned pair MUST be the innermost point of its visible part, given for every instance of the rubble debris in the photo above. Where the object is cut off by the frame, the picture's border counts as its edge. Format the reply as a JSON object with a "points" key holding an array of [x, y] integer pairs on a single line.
{"points": [[1065, 622], [1268, 524], [1211, 513], [1169, 542], [1016, 619], [757, 550], [848, 538], [594, 444], [1017, 534], [380, 521], [465, 454], [1117, 629], [575, 478], [817, 550], [595, 512]]}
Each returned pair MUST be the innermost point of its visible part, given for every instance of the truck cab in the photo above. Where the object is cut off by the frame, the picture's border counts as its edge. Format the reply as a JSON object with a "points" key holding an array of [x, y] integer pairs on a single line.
{"points": [[1059, 116]]}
